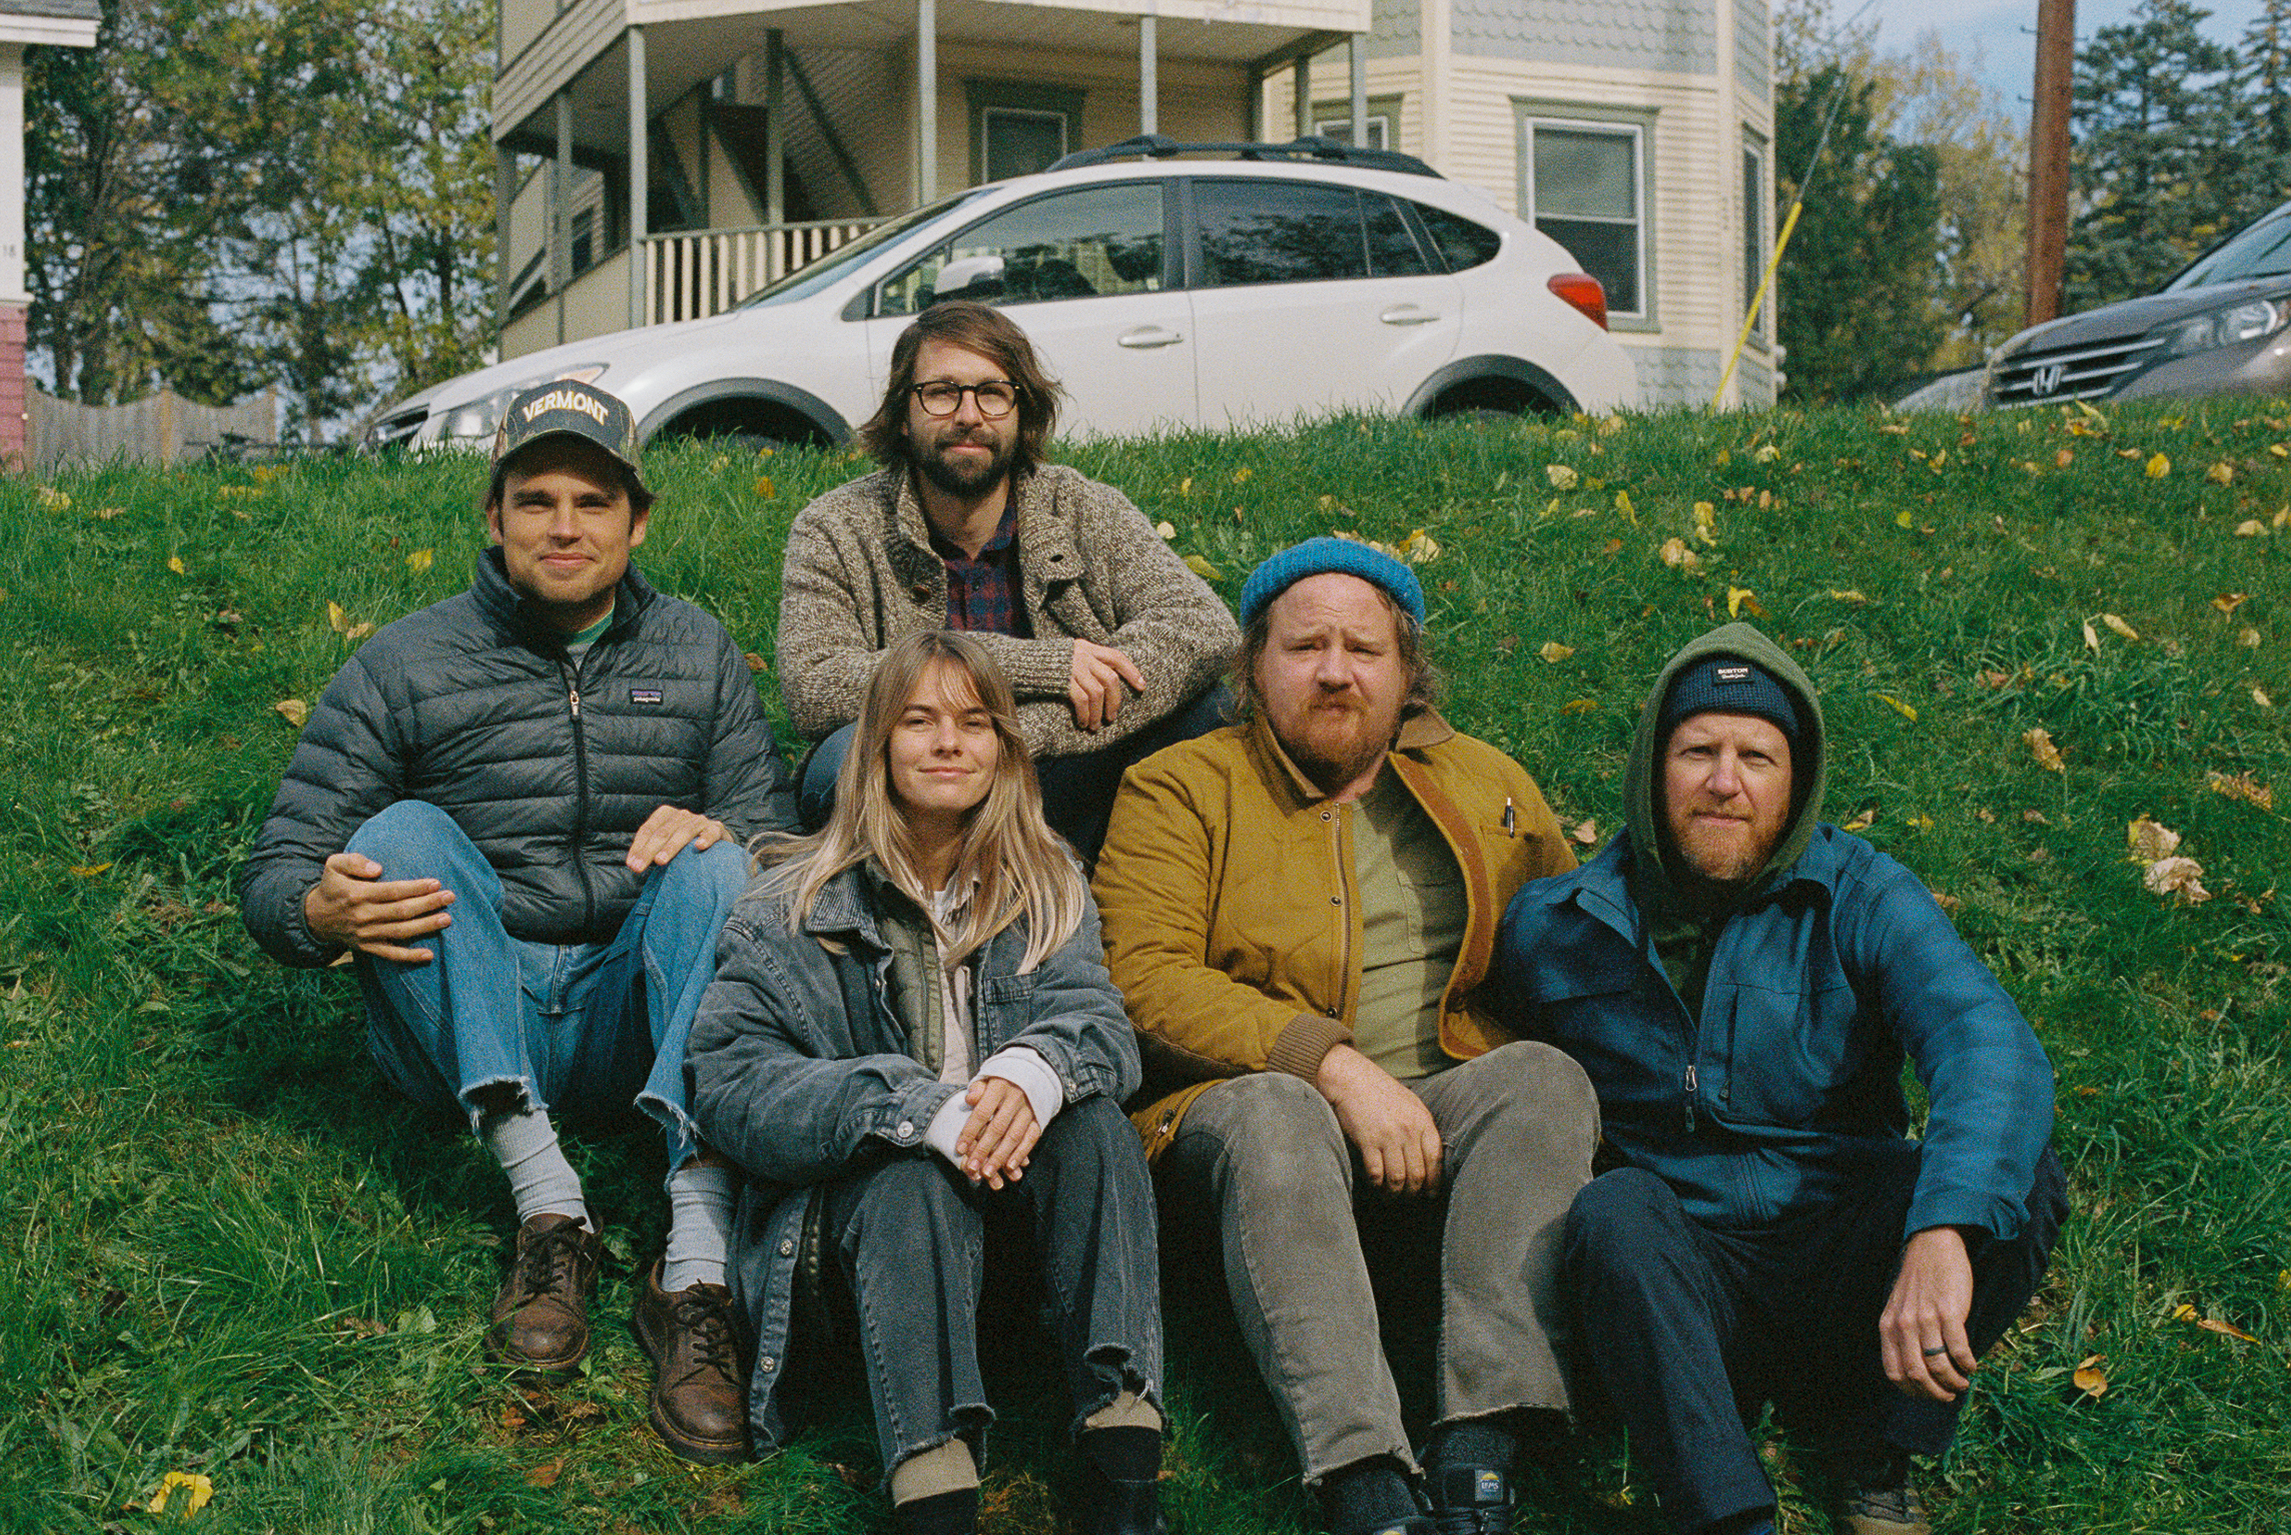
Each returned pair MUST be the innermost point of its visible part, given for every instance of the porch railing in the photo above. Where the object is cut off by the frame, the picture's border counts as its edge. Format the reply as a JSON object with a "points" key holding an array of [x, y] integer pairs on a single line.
{"points": [[707, 271]]}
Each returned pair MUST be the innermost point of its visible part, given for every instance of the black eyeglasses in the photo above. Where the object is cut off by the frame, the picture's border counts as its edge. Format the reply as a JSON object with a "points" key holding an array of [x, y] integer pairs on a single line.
{"points": [[997, 397]]}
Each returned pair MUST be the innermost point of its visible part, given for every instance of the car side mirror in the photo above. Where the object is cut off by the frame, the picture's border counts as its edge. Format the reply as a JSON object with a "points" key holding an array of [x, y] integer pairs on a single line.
{"points": [[971, 277]]}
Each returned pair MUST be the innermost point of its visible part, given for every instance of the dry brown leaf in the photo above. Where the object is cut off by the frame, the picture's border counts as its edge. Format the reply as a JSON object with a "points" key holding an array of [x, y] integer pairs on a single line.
{"points": [[1862, 821], [2063, 459], [2221, 473], [2179, 878], [2247, 637], [2250, 527], [2228, 602], [2036, 818], [2089, 1379], [2040, 745], [2241, 786], [1945, 902], [294, 711], [1678, 556], [2150, 840], [2226, 1329], [1579, 706], [546, 1473], [1992, 679], [2091, 637], [2118, 627], [756, 662], [1585, 833], [1553, 652], [357, 631]]}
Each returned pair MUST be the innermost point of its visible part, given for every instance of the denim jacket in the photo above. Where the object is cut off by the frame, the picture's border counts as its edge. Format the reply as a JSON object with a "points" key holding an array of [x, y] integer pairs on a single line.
{"points": [[800, 1070], [1788, 1084]]}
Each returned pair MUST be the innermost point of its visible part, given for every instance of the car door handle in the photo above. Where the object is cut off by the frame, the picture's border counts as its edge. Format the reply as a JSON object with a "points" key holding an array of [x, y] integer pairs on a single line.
{"points": [[1408, 314], [1146, 337]]}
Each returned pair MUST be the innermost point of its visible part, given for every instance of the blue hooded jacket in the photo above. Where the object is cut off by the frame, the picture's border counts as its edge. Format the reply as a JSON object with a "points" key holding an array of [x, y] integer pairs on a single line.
{"points": [[1785, 1090]]}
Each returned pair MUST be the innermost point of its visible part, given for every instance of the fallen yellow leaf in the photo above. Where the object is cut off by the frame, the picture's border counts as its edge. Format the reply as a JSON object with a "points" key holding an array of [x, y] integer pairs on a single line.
{"points": [[1706, 522], [1735, 597], [2089, 1379], [106, 513], [2179, 878], [357, 631], [1553, 652], [2228, 602], [294, 711], [2241, 786], [2158, 467], [1561, 476], [336, 619], [2119, 627], [88, 870], [1903, 520], [2091, 637], [1623, 505], [2040, 745], [2063, 459], [1678, 556], [1849, 595], [2226, 1329], [2149, 840], [1165, 531], [1767, 454], [1242, 475], [175, 563], [53, 500], [1203, 568], [1579, 706], [197, 1492], [2259, 697], [1419, 548], [1921, 821], [1862, 821], [2221, 473], [765, 489], [2247, 637], [421, 560], [1906, 711], [2250, 527], [1185, 486], [1586, 833]]}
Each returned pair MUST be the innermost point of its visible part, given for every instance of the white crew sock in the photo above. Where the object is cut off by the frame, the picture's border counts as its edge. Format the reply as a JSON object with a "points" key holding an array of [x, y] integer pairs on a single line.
{"points": [[540, 1179], [700, 1200]]}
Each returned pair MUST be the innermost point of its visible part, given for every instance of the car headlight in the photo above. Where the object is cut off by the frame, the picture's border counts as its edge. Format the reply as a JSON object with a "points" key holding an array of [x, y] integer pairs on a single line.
{"points": [[481, 417], [2248, 321]]}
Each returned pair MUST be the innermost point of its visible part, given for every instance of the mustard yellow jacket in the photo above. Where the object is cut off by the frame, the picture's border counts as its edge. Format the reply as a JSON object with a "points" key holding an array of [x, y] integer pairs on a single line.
{"points": [[1232, 921]]}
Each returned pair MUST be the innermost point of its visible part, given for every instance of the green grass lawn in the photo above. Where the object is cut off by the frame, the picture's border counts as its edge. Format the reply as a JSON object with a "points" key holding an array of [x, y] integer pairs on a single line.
{"points": [[225, 1249]]}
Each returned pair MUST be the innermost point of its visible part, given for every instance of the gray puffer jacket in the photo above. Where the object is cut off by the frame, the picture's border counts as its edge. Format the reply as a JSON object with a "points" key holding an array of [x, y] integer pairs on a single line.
{"points": [[472, 705]]}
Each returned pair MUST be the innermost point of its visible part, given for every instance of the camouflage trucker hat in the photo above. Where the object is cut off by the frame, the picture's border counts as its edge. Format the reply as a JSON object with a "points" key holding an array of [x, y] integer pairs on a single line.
{"points": [[571, 409]]}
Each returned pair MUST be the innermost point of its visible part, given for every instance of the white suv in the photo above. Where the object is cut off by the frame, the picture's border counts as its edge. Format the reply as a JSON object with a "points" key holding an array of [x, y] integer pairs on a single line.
{"points": [[1290, 280]]}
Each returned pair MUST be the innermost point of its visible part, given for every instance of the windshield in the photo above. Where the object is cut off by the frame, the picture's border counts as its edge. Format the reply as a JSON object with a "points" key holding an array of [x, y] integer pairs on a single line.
{"points": [[807, 280], [2263, 250]]}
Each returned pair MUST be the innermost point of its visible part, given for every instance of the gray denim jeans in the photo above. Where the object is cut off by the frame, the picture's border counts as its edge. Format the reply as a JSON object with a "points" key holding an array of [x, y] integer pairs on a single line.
{"points": [[909, 1235], [1265, 1155]]}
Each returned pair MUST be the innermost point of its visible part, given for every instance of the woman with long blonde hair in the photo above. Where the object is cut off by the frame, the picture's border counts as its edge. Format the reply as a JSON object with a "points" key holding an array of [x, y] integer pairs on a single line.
{"points": [[911, 1026]]}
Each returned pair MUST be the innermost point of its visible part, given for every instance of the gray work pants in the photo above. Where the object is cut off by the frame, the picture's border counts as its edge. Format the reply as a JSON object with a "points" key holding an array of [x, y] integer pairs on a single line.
{"points": [[1264, 1154]]}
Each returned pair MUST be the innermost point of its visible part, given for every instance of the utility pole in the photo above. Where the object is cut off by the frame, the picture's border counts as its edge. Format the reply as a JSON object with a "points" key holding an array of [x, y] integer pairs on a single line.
{"points": [[2048, 156]]}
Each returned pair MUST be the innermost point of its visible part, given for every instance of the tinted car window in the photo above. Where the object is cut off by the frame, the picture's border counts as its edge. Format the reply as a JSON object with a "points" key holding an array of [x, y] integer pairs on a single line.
{"points": [[2263, 250], [1462, 242], [1392, 248], [1277, 231], [1093, 242]]}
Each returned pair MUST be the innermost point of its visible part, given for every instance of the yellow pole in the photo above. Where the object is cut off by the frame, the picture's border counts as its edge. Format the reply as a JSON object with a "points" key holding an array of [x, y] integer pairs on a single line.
{"points": [[1758, 300]]}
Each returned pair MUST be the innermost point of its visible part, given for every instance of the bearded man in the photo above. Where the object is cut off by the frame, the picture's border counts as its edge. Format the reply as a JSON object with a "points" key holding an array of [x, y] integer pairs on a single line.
{"points": [[1743, 984], [1112, 645], [1300, 910]]}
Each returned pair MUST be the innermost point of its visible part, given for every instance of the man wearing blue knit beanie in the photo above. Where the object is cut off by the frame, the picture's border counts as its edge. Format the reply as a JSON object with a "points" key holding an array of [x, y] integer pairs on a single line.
{"points": [[1300, 910], [1743, 983]]}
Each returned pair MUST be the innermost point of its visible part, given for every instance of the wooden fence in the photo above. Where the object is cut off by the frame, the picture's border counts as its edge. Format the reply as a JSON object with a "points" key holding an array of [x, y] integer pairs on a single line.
{"points": [[164, 428]]}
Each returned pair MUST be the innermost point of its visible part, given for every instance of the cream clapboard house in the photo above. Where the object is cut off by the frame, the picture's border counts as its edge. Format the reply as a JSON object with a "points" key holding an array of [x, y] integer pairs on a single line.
{"points": [[1635, 132]]}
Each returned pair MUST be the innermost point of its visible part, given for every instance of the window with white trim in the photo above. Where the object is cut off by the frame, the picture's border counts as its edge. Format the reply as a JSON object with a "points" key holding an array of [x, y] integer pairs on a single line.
{"points": [[1584, 184], [1754, 253], [1340, 129]]}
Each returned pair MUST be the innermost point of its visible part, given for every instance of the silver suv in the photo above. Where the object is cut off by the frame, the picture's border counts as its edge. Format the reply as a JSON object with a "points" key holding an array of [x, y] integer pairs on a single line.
{"points": [[1279, 282], [2217, 328]]}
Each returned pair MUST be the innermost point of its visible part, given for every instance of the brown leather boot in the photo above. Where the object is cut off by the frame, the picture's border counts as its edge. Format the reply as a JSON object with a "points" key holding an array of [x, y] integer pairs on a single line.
{"points": [[541, 1312], [699, 1392]]}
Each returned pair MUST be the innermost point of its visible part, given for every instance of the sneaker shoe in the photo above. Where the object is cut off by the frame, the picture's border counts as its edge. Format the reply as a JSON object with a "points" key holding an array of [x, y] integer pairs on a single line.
{"points": [[541, 1312], [699, 1392], [1470, 1500], [1881, 1511]]}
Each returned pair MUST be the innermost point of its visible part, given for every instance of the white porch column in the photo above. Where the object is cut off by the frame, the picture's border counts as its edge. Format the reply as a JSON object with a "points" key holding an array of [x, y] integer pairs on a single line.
{"points": [[1360, 90], [775, 128], [1149, 72], [12, 289], [639, 177], [1304, 73], [561, 209], [927, 101]]}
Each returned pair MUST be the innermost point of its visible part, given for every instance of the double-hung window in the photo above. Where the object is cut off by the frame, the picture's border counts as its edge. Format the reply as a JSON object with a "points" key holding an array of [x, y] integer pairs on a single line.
{"points": [[1584, 184]]}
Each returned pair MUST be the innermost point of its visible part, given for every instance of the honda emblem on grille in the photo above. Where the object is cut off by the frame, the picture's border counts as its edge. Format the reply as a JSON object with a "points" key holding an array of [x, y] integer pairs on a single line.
{"points": [[2046, 379]]}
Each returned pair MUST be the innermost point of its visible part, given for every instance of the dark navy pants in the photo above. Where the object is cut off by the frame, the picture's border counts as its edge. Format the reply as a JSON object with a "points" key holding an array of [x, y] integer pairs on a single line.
{"points": [[1690, 1329]]}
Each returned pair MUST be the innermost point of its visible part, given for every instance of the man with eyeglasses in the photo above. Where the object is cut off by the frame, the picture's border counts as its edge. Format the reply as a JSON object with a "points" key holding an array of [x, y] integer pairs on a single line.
{"points": [[1115, 648]]}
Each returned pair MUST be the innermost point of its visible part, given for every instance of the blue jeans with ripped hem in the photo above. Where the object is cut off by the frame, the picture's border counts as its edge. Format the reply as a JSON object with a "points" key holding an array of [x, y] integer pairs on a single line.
{"points": [[576, 1028]]}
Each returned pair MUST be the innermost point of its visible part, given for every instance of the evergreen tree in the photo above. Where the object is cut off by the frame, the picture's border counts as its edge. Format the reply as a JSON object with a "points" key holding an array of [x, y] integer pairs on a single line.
{"points": [[2150, 175], [2263, 86]]}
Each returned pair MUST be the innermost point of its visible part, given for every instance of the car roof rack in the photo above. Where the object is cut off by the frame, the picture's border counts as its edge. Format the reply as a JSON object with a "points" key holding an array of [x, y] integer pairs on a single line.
{"points": [[1159, 146]]}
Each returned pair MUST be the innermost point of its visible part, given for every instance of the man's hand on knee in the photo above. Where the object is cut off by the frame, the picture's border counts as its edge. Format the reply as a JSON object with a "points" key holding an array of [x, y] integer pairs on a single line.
{"points": [[1100, 674], [1398, 1140], [353, 906], [669, 831], [1922, 1331]]}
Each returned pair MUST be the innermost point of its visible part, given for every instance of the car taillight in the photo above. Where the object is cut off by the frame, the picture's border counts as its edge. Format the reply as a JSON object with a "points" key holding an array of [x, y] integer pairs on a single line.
{"points": [[1582, 292]]}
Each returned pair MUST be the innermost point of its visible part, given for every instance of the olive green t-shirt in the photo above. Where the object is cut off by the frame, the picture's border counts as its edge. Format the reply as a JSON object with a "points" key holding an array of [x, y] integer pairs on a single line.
{"points": [[1412, 916]]}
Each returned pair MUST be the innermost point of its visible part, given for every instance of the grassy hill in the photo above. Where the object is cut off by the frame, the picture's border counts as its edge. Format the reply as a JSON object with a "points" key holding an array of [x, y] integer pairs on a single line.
{"points": [[229, 1251]]}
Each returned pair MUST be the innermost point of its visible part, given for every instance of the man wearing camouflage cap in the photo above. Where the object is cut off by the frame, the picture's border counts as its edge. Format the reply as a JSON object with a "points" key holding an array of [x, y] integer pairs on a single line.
{"points": [[520, 811]]}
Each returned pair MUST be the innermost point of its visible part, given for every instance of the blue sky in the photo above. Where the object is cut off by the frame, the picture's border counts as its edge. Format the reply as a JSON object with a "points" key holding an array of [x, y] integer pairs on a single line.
{"points": [[2003, 31]]}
